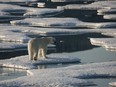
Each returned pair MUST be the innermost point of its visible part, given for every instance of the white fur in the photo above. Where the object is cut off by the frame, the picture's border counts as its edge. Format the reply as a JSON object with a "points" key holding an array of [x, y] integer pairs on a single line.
{"points": [[37, 47]]}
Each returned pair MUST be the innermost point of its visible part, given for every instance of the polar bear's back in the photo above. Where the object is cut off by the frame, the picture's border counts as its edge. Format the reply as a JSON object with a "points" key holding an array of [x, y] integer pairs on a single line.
{"points": [[35, 42]]}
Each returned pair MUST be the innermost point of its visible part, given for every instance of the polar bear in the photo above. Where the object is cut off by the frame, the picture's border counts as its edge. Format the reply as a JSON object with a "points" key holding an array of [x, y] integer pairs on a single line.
{"points": [[37, 47]]}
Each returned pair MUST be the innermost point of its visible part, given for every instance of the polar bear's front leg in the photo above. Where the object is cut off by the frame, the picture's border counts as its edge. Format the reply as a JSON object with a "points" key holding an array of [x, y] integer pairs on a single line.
{"points": [[39, 53], [44, 51], [35, 54]]}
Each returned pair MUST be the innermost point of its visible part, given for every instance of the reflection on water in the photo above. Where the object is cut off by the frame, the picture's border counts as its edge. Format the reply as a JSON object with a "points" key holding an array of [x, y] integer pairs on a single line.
{"points": [[71, 43], [11, 73], [55, 65], [98, 54]]}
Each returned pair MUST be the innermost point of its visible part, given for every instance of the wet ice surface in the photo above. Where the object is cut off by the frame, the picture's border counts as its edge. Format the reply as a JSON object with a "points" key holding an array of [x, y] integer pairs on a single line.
{"points": [[84, 73], [72, 75], [11, 73]]}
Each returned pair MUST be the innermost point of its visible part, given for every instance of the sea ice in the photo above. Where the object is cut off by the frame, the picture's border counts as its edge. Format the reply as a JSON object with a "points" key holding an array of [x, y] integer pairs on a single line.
{"points": [[13, 37], [110, 16], [71, 76], [112, 84], [12, 8], [108, 43], [7, 46], [47, 22], [3, 13], [106, 11], [93, 6], [18, 1], [21, 35], [61, 23], [23, 62], [45, 12]]}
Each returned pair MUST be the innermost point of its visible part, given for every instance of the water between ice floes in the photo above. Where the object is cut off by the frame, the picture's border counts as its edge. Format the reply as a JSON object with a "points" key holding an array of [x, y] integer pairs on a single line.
{"points": [[94, 55], [10, 73], [98, 54]]}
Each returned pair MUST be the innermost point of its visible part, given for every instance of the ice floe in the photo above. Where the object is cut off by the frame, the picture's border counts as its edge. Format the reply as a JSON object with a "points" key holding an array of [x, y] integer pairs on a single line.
{"points": [[7, 46], [65, 0], [18, 2], [93, 6], [106, 11], [45, 12], [112, 84], [108, 43], [21, 35], [110, 16], [61, 23], [23, 62], [47, 22], [13, 37], [72, 0], [28, 11], [12, 8], [75, 75], [3, 13], [6, 16]]}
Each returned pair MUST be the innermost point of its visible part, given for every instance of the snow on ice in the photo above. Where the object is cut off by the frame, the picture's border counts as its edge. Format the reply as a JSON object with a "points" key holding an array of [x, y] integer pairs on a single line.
{"points": [[75, 75]]}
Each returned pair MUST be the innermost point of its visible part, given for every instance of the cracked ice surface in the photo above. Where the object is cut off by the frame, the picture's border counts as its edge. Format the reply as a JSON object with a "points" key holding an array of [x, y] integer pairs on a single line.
{"points": [[71, 76]]}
